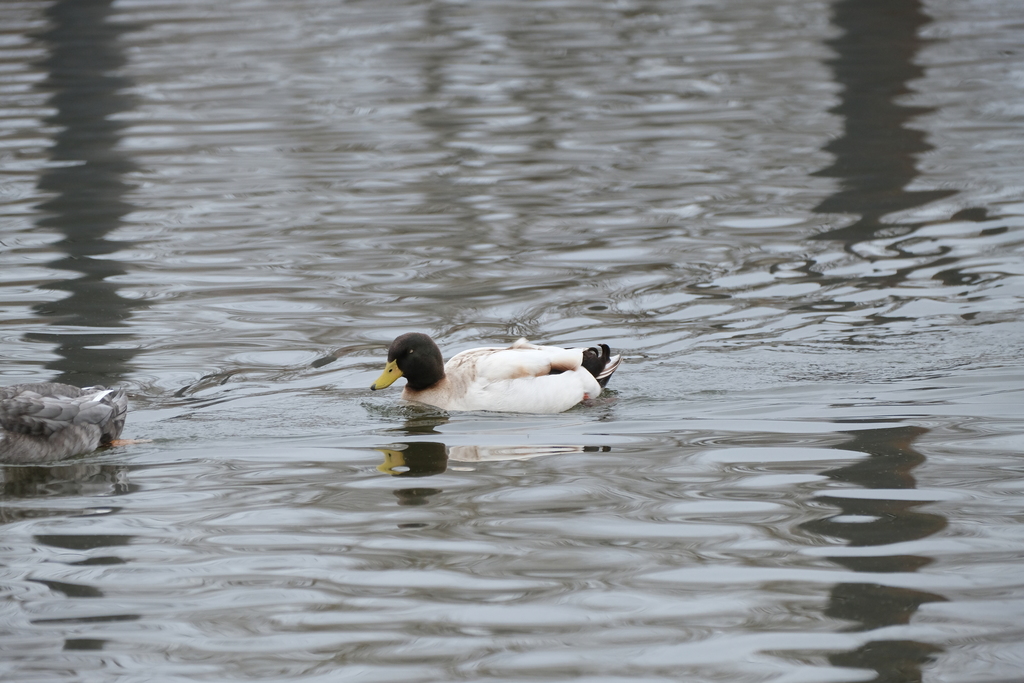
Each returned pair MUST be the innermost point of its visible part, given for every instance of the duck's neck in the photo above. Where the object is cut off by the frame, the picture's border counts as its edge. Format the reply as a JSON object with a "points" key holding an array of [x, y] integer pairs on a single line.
{"points": [[425, 378], [416, 392]]}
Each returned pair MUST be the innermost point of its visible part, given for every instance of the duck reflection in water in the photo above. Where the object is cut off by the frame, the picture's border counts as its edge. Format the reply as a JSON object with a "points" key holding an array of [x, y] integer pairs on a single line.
{"points": [[424, 458]]}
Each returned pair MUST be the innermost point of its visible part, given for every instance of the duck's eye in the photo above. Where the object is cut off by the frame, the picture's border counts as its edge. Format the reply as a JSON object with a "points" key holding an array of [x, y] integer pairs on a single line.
{"points": [[410, 352]]}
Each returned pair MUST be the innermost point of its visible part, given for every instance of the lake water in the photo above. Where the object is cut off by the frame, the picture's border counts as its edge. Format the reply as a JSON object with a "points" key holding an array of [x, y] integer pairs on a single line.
{"points": [[800, 222]]}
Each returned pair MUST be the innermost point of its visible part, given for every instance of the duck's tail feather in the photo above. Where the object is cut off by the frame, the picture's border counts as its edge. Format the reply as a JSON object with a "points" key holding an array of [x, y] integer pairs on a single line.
{"points": [[599, 361]]}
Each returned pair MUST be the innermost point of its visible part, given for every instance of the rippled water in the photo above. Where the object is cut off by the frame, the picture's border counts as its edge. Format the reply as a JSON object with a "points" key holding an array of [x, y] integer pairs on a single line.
{"points": [[801, 222]]}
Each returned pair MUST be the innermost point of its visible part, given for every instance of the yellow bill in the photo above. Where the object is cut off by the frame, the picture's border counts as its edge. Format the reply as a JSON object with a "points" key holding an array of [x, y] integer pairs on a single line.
{"points": [[388, 377]]}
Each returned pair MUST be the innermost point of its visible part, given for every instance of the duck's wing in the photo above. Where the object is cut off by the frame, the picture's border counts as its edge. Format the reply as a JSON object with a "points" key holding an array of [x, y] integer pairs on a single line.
{"points": [[522, 360], [43, 410], [522, 378]]}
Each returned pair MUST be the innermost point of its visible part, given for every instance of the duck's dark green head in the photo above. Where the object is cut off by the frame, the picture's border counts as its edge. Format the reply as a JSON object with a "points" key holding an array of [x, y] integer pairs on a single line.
{"points": [[416, 357]]}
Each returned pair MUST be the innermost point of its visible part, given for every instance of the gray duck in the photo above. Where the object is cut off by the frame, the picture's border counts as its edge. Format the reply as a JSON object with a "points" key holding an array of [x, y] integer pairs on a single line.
{"points": [[50, 421]]}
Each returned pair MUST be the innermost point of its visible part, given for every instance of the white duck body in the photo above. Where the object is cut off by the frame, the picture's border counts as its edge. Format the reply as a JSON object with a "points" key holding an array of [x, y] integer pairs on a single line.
{"points": [[49, 421], [522, 378]]}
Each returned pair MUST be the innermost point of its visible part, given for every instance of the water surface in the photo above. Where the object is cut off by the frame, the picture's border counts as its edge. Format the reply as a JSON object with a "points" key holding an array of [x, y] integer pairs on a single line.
{"points": [[802, 224]]}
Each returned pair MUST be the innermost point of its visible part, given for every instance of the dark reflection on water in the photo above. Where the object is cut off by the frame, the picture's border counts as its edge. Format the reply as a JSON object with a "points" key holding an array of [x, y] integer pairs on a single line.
{"points": [[876, 156], [79, 591], [875, 161], [867, 522], [440, 191], [79, 479], [415, 496], [71, 590], [63, 480], [86, 177], [84, 644], [417, 459], [424, 458], [83, 541]]}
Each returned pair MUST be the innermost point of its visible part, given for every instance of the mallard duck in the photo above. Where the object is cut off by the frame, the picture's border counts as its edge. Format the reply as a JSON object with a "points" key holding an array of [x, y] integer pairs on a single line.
{"points": [[522, 378], [40, 422]]}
